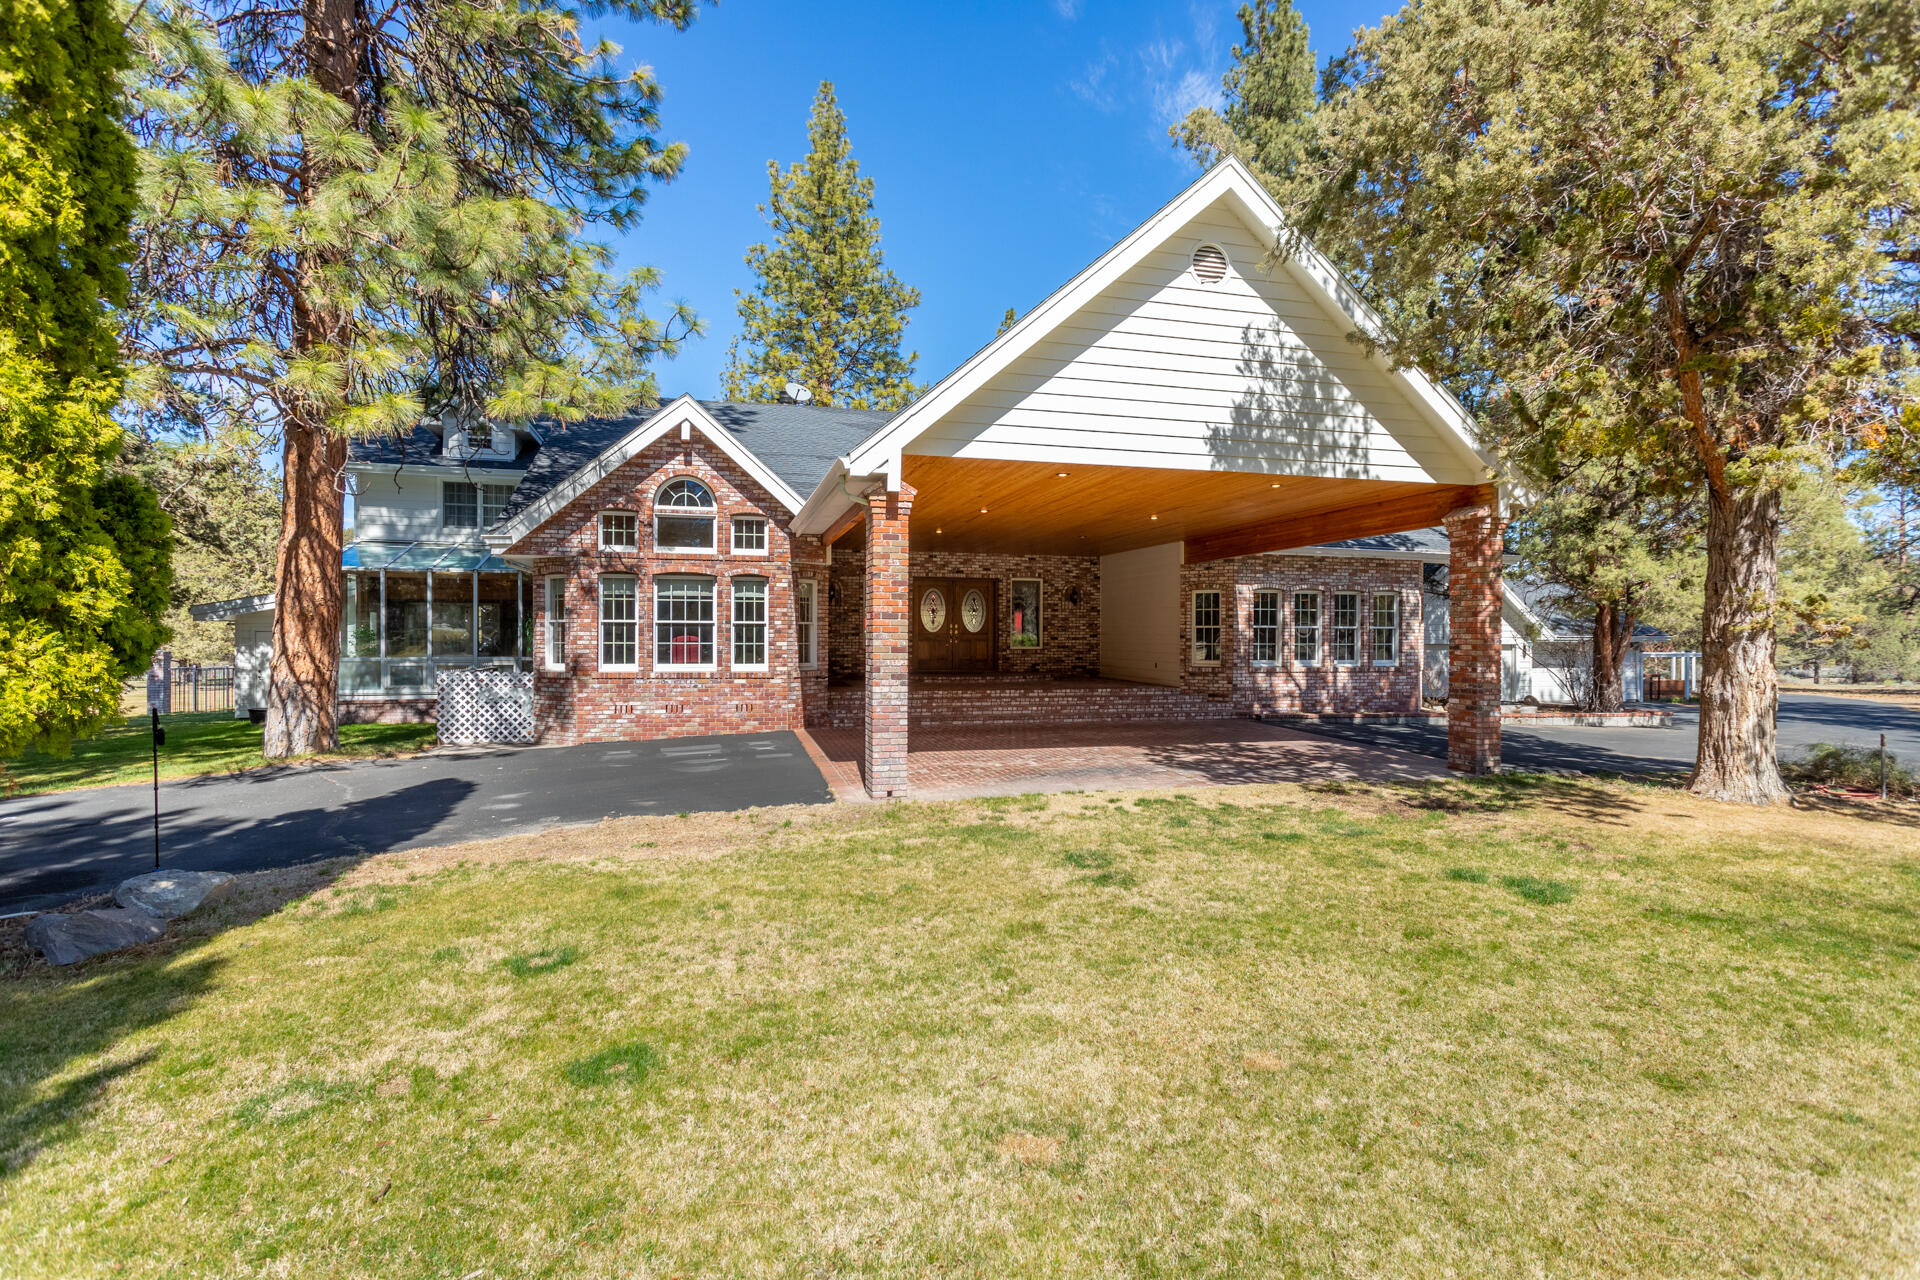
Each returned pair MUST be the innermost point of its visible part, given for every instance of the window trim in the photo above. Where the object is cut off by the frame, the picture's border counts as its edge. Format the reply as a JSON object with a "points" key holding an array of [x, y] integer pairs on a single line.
{"points": [[1278, 626], [553, 624], [765, 623], [1319, 624], [1373, 626], [600, 640], [1193, 633], [713, 605], [809, 650], [446, 505], [1358, 629], [600, 522], [733, 537], [711, 511]]}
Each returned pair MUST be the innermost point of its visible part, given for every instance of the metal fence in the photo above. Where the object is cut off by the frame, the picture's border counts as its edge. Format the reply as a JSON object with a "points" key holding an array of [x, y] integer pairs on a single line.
{"points": [[187, 686]]}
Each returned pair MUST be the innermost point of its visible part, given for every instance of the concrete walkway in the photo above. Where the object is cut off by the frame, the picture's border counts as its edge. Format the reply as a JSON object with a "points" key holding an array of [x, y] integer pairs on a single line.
{"points": [[992, 760], [54, 847]]}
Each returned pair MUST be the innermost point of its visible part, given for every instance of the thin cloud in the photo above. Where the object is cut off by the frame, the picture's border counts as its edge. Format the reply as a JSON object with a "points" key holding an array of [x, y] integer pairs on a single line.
{"points": [[1067, 9], [1094, 85]]}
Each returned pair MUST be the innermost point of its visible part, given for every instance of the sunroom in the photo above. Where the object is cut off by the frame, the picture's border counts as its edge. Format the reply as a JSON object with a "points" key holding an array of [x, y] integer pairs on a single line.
{"points": [[412, 609]]}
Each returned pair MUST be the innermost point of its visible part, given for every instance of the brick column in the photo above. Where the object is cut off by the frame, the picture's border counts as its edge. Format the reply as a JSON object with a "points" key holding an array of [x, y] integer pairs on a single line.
{"points": [[1473, 640], [889, 640]]}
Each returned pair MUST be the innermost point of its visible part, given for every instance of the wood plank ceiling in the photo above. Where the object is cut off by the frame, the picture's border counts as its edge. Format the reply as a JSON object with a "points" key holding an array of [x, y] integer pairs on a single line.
{"points": [[1031, 508]]}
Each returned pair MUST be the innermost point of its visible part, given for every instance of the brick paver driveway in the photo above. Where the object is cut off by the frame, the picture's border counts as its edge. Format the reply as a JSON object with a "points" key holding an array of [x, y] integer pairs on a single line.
{"points": [[992, 760]]}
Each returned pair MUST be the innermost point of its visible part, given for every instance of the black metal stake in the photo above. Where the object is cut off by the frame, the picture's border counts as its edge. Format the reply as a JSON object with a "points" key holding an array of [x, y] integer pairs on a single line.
{"points": [[1883, 766], [159, 740]]}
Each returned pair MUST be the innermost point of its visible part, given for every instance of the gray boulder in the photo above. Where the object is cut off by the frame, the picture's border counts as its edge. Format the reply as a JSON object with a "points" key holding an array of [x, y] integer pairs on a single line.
{"points": [[70, 939], [173, 893]]}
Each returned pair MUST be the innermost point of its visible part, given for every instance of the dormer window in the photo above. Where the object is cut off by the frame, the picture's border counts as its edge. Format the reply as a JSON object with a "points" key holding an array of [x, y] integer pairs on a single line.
{"points": [[684, 514], [481, 439]]}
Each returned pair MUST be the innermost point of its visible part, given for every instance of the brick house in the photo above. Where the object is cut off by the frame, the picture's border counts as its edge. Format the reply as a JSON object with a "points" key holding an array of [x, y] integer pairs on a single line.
{"points": [[1118, 509]]}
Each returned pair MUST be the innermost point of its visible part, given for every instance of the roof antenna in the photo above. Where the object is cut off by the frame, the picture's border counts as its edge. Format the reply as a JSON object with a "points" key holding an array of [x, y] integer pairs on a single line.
{"points": [[794, 393]]}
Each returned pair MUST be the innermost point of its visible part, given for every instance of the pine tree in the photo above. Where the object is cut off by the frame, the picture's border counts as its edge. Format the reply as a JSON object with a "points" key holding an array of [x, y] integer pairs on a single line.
{"points": [[1268, 97], [82, 551], [1006, 321], [1709, 210], [353, 215], [825, 313]]}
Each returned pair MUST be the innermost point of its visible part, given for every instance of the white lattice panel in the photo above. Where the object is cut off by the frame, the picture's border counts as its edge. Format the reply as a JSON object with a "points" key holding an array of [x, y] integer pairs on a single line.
{"points": [[485, 706]]}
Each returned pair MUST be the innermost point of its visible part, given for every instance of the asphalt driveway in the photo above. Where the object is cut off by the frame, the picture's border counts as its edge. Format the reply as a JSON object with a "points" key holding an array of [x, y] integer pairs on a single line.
{"points": [[53, 847], [1804, 719]]}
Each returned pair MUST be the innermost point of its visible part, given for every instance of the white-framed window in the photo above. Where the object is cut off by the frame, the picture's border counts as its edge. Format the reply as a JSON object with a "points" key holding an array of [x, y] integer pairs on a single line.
{"points": [[480, 437], [1384, 641], [466, 505], [1306, 627], [749, 536], [1023, 613], [553, 649], [619, 531], [1206, 628], [804, 631], [619, 622], [684, 516], [749, 624], [1265, 640], [683, 624], [1346, 626]]}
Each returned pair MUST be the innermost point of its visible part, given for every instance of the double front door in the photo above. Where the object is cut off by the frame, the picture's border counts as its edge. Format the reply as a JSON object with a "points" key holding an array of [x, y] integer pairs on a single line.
{"points": [[952, 624]]}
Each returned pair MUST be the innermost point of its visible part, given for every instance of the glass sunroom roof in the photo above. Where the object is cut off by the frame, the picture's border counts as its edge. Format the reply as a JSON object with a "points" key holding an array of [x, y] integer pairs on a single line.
{"points": [[418, 557]]}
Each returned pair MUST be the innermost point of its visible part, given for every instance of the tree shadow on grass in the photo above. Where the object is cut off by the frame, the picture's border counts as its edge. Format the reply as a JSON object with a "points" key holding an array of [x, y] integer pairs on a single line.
{"points": [[52, 1020]]}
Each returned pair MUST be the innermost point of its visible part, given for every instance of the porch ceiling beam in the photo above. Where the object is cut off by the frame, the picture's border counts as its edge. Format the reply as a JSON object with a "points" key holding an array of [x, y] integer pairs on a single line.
{"points": [[847, 523], [1365, 520]]}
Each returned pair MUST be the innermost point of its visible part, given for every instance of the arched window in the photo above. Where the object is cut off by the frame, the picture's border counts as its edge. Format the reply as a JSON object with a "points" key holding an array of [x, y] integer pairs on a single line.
{"points": [[684, 515]]}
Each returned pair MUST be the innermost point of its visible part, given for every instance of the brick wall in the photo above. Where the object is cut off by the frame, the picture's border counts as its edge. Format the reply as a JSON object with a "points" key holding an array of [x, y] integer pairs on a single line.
{"points": [[1473, 649], [1069, 630], [1290, 685], [584, 703]]}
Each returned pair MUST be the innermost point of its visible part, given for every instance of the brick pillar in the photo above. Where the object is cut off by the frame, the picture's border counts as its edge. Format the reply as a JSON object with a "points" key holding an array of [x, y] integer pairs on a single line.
{"points": [[889, 637], [1473, 640]]}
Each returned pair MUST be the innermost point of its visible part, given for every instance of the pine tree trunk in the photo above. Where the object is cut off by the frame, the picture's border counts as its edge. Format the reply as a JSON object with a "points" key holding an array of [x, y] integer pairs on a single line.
{"points": [[303, 675], [1608, 652], [302, 711], [1739, 689]]}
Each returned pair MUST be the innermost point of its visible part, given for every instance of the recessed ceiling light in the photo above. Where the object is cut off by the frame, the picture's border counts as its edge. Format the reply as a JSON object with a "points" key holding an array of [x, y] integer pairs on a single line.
{"points": [[939, 530], [983, 511], [1274, 485], [1061, 474], [1153, 517]]}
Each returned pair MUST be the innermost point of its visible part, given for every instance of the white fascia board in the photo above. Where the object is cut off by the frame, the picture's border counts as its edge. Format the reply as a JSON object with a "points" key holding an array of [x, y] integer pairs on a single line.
{"points": [[828, 501], [443, 470], [1256, 206], [685, 410]]}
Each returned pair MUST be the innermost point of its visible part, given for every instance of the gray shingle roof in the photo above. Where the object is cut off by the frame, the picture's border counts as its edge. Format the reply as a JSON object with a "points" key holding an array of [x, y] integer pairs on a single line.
{"points": [[1431, 542], [421, 448], [797, 442]]}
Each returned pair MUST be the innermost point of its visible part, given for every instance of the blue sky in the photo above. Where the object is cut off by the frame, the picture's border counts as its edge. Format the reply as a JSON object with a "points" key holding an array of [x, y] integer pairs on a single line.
{"points": [[1010, 144]]}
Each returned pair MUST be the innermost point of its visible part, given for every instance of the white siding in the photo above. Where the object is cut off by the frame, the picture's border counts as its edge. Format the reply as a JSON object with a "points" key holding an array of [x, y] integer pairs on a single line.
{"points": [[404, 507], [1162, 370], [1140, 615]]}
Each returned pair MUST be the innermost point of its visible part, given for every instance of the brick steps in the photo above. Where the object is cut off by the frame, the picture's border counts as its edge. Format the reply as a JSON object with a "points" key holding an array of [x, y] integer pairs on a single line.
{"points": [[1017, 702]]}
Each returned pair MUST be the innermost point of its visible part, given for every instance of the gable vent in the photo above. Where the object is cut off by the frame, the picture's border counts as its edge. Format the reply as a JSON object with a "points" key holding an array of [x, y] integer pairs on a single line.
{"points": [[1209, 264]]}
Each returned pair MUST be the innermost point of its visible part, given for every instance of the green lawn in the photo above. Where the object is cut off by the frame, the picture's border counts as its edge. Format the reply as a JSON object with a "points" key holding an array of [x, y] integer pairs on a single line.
{"points": [[1514, 1028], [197, 742]]}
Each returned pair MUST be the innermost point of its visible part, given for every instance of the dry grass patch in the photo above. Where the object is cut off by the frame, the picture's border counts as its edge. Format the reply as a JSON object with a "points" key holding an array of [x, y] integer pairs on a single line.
{"points": [[1523, 1026]]}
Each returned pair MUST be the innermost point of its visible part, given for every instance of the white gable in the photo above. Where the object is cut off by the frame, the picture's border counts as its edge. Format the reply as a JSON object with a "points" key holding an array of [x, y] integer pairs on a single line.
{"points": [[1162, 370], [1136, 362]]}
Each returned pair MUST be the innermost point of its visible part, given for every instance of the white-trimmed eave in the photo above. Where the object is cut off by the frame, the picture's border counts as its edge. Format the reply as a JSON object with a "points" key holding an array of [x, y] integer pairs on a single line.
{"points": [[880, 453], [683, 411]]}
